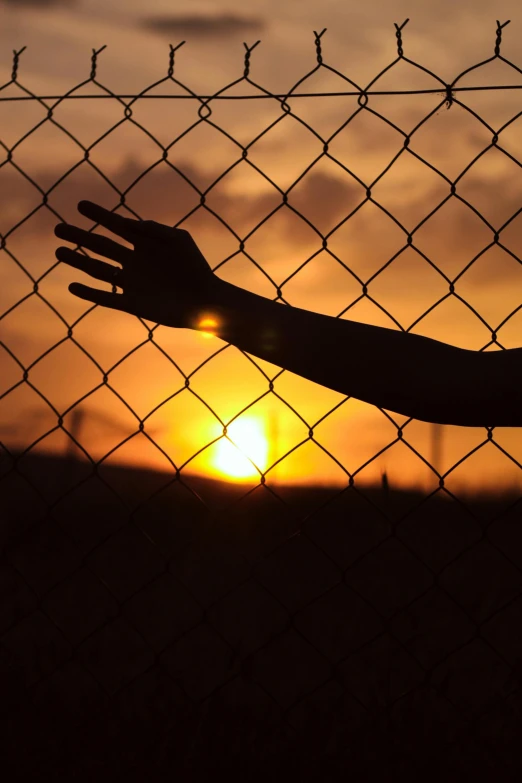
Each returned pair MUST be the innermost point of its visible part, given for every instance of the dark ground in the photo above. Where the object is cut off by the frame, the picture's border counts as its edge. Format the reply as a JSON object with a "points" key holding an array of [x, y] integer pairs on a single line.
{"points": [[378, 638]]}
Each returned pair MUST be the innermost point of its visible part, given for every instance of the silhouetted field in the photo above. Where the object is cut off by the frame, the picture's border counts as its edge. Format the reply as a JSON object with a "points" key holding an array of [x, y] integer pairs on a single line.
{"points": [[198, 634]]}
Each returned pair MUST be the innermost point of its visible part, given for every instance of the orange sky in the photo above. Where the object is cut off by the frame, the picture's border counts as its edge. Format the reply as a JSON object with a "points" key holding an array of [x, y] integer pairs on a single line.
{"points": [[60, 36]]}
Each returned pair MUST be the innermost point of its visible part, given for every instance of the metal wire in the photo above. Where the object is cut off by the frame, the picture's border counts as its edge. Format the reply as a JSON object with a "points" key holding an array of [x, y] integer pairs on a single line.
{"points": [[300, 661]]}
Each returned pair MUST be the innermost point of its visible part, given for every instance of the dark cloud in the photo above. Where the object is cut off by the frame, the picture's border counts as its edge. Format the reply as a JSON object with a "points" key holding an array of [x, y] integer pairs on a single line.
{"points": [[37, 3], [167, 198], [192, 25], [322, 199]]}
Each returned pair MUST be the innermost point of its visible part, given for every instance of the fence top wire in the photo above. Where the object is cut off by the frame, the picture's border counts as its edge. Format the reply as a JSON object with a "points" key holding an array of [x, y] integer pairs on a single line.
{"points": [[448, 89]]}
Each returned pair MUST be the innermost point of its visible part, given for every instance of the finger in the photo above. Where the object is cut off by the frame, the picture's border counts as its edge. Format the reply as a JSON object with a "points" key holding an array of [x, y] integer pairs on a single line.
{"points": [[122, 226], [104, 298], [127, 227], [101, 245], [91, 266]]}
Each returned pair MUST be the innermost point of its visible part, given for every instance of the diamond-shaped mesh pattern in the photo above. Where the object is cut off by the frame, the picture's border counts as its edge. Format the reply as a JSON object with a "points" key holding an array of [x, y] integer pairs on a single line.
{"points": [[324, 635]]}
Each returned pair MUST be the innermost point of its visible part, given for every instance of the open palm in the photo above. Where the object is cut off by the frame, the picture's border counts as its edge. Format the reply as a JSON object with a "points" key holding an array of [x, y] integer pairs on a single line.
{"points": [[165, 279]]}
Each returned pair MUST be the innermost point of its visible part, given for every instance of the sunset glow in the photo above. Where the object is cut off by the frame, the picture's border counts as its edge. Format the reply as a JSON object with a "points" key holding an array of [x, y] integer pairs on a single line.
{"points": [[251, 442], [207, 325]]}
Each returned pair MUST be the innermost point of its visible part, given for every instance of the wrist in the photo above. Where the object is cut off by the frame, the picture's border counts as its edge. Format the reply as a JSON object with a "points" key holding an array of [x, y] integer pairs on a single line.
{"points": [[215, 306]]}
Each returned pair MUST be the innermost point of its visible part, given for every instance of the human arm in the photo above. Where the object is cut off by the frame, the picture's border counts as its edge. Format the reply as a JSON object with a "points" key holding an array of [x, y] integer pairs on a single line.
{"points": [[405, 373], [167, 280]]}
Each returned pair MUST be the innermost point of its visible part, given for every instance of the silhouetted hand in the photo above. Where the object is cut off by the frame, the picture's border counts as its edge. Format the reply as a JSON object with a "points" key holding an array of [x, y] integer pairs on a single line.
{"points": [[165, 279]]}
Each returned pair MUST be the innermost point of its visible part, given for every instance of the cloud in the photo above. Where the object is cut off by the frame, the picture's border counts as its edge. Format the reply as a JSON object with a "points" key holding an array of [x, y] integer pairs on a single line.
{"points": [[323, 199], [37, 3], [204, 26]]}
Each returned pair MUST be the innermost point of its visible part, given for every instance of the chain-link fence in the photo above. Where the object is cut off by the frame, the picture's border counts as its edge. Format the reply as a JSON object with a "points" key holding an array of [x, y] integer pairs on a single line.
{"points": [[305, 636]]}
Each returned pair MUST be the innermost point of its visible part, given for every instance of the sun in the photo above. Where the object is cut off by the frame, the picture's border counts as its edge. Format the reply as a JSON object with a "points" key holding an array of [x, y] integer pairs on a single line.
{"points": [[233, 460]]}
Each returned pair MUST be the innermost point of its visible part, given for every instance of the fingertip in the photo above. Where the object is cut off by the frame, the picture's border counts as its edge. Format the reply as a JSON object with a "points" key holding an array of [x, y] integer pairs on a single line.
{"points": [[85, 206]]}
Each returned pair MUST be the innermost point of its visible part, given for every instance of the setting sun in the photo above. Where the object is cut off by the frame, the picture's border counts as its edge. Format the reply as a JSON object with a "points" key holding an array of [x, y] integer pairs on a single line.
{"points": [[251, 446]]}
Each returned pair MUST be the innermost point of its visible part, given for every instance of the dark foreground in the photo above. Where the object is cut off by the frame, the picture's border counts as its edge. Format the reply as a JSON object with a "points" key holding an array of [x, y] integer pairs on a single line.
{"points": [[377, 638]]}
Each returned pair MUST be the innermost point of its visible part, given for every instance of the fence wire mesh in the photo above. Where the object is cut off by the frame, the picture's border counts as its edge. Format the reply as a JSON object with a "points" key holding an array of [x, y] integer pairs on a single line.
{"points": [[176, 635]]}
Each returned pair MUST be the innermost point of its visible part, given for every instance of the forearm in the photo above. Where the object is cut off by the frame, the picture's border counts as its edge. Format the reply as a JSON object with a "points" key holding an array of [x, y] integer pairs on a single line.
{"points": [[398, 371]]}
